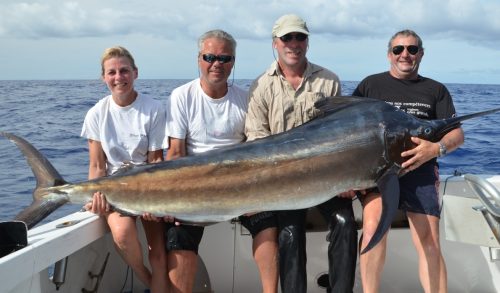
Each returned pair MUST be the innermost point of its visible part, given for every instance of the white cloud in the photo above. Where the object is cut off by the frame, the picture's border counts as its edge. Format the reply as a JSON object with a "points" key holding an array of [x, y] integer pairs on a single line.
{"points": [[465, 33], [469, 19]]}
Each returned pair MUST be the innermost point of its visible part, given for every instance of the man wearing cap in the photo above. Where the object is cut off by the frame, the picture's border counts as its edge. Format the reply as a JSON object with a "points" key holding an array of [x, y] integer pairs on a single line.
{"points": [[282, 98]]}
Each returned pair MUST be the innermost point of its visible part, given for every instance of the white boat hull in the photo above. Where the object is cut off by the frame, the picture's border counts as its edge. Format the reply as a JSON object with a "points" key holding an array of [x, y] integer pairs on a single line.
{"points": [[227, 264]]}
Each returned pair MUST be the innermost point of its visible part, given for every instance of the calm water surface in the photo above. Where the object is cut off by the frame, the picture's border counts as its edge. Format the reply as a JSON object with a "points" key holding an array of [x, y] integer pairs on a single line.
{"points": [[50, 114]]}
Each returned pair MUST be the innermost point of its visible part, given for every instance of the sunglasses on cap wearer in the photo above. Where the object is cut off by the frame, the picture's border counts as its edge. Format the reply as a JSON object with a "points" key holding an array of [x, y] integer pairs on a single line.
{"points": [[412, 49], [300, 37], [211, 58]]}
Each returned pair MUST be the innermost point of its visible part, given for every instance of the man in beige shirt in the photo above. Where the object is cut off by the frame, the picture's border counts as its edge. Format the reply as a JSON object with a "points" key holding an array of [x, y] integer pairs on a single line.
{"points": [[280, 99]]}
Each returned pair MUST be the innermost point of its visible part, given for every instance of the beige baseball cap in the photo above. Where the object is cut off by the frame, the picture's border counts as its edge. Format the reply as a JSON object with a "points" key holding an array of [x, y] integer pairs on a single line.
{"points": [[288, 24]]}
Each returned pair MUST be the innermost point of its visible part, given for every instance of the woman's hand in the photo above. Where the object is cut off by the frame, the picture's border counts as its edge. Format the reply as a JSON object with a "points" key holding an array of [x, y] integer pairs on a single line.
{"points": [[98, 205]]}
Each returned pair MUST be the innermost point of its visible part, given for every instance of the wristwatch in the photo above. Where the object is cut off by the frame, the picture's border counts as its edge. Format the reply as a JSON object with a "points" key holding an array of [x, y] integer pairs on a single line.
{"points": [[442, 149]]}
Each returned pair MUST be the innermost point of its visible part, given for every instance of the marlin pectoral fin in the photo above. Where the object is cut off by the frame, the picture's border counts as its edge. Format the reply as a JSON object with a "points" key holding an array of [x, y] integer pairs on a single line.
{"points": [[388, 186], [38, 210]]}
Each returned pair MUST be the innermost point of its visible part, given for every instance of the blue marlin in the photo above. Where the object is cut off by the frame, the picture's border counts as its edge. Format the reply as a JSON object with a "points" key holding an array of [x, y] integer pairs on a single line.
{"points": [[354, 144]]}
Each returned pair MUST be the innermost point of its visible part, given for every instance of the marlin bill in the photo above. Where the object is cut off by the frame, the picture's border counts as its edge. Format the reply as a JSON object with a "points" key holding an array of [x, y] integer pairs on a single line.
{"points": [[355, 143]]}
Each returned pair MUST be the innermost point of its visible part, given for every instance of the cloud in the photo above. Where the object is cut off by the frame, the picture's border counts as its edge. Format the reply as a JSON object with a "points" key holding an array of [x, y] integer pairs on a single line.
{"points": [[473, 21], [61, 39]]}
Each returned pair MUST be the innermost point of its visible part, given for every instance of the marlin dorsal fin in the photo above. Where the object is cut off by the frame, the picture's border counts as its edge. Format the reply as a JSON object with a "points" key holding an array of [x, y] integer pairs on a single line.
{"points": [[331, 105]]}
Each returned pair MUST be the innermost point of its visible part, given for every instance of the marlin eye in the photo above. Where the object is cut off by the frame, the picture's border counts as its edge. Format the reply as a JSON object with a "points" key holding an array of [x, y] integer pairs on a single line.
{"points": [[427, 131]]}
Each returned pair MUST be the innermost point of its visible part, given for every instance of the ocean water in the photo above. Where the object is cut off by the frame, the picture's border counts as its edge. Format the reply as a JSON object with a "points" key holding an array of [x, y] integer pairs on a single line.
{"points": [[49, 114]]}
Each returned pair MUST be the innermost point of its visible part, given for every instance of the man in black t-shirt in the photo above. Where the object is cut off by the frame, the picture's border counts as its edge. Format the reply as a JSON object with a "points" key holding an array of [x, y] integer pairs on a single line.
{"points": [[424, 98]]}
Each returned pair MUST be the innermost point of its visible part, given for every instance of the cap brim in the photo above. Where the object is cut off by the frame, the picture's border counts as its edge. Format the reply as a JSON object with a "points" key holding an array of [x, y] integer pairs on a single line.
{"points": [[291, 30]]}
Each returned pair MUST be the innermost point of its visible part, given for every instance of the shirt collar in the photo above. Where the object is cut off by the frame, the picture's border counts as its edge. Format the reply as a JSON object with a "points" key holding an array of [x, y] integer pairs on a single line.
{"points": [[310, 69]]}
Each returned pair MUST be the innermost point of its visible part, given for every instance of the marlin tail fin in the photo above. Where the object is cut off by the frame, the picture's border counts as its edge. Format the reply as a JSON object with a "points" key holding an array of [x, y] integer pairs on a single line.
{"points": [[46, 176]]}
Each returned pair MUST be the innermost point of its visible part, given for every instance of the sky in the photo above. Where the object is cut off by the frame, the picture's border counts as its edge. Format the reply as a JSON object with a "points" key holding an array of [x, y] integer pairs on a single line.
{"points": [[53, 39]]}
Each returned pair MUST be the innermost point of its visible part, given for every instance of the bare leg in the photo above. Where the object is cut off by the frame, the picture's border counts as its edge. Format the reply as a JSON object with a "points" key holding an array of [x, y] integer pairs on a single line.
{"points": [[425, 235], [371, 263], [157, 255], [265, 252], [182, 266], [124, 231]]}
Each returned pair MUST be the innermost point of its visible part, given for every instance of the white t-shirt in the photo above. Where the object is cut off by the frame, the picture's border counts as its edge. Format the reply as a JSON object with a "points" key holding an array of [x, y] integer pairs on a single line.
{"points": [[206, 123], [126, 133]]}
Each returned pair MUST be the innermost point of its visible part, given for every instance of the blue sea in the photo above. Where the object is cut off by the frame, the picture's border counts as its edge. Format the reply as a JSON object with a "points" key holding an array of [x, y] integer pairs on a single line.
{"points": [[49, 114]]}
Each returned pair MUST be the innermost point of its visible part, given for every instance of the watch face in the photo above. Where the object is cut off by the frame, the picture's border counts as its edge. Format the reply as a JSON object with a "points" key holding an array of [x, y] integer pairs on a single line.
{"points": [[442, 149]]}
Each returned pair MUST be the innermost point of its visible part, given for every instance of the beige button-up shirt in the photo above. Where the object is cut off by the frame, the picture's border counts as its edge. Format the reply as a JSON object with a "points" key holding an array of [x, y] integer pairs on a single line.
{"points": [[275, 106]]}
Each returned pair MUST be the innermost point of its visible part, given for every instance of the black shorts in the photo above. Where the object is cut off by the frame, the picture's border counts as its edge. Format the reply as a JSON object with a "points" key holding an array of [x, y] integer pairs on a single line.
{"points": [[258, 222], [183, 237]]}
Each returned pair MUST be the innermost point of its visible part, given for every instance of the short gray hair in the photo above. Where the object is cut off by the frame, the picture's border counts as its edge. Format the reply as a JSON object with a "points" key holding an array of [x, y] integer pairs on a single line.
{"points": [[406, 33], [218, 34]]}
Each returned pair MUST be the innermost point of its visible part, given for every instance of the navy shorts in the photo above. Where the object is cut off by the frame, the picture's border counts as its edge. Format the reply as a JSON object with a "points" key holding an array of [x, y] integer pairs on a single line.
{"points": [[419, 190], [183, 237], [258, 222]]}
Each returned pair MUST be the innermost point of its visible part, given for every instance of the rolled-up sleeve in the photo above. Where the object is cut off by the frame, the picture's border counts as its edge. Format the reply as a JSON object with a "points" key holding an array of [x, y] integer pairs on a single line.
{"points": [[257, 121]]}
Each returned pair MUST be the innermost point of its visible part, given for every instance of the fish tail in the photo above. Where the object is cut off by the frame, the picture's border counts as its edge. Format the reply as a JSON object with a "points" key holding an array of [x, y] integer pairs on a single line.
{"points": [[39, 210], [46, 176]]}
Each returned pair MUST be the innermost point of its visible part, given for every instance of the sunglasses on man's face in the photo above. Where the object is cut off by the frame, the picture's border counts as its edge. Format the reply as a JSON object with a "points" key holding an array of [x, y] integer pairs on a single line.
{"points": [[412, 49], [211, 58], [300, 37]]}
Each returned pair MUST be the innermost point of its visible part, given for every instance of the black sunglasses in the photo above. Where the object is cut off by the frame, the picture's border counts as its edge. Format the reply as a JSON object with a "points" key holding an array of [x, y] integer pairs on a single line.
{"points": [[412, 49], [300, 37], [211, 58]]}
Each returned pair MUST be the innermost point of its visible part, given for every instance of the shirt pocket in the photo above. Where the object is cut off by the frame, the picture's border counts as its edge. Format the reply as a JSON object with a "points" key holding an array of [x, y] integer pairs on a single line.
{"points": [[304, 107], [137, 145]]}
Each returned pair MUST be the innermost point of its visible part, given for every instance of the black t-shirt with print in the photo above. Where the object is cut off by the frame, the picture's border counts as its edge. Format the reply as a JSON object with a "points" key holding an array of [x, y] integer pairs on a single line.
{"points": [[423, 97]]}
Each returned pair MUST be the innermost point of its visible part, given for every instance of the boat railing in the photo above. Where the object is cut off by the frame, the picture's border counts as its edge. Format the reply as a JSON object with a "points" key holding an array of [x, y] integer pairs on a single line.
{"points": [[486, 193], [490, 198]]}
